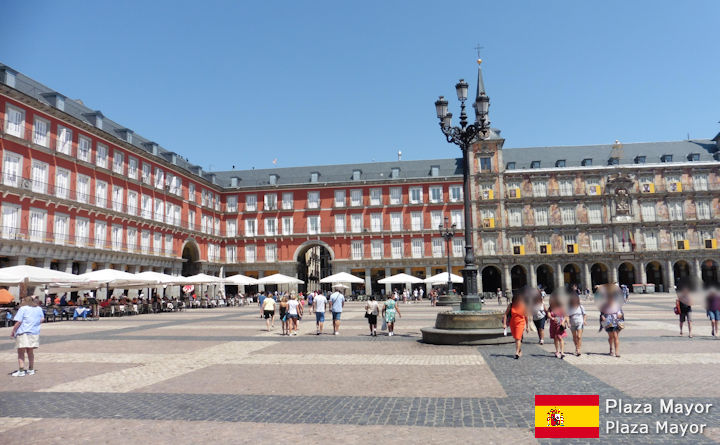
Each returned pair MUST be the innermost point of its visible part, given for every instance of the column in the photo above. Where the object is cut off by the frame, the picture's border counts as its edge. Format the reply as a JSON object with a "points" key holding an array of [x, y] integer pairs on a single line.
{"points": [[261, 287], [670, 282], [588, 277], [45, 262], [368, 282], [613, 273], [642, 272], [533, 275], [83, 267], [698, 272], [507, 278], [67, 266], [559, 276], [388, 287], [479, 281], [18, 261], [428, 274]]}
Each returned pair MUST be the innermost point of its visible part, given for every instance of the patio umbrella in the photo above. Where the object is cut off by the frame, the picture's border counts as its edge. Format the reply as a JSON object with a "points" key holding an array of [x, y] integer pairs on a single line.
{"points": [[342, 277], [279, 278], [401, 278], [161, 278], [442, 278], [116, 278], [240, 280], [201, 278], [6, 297], [34, 276]]}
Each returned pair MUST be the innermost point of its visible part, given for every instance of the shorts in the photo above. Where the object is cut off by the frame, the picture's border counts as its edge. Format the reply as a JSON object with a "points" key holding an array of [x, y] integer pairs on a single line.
{"points": [[27, 341], [269, 314], [576, 327], [714, 315], [612, 329], [336, 315], [295, 316], [319, 317], [539, 324], [685, 316], [372, 319]]}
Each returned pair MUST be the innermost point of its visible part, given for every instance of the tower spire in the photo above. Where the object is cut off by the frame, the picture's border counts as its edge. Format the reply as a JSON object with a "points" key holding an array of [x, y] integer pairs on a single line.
{"points": [[482, 101]]}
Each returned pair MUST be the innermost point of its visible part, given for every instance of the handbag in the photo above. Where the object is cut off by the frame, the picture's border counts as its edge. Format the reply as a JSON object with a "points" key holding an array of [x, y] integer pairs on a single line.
{"points": [[367, 315]]}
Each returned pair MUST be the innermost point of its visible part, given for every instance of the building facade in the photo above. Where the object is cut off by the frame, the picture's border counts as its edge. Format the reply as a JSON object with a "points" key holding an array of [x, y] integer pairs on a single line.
{"points": [[80, 192]]}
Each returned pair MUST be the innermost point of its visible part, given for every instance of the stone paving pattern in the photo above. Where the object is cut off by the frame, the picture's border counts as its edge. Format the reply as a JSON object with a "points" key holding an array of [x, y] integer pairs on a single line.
{"points": [[185, 377]]}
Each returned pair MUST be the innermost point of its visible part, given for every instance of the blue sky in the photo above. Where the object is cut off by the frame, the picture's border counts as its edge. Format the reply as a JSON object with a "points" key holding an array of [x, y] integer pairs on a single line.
{"points": [[318, 82]]}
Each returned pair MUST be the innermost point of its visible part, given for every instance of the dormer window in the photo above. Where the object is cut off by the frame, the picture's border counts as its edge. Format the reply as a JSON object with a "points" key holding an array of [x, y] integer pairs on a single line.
{"points": [[640, 159], [274, 178], [510, 166], [587, 162], [666, 158], [535, 164], [356, 175], [560, 163], [395, 173], [314, 176], [233, 181], [614, 161], [694, 157], [435, 170]]}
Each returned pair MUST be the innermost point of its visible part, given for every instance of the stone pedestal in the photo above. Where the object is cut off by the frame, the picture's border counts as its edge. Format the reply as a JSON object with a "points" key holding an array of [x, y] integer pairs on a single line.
{"points": [[467, 328], [449, 300]]}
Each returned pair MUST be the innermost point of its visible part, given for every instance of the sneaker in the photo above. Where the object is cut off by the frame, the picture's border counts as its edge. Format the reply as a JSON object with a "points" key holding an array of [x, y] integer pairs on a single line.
{"points": [[30, 372], [18, 373], [337, 333]]}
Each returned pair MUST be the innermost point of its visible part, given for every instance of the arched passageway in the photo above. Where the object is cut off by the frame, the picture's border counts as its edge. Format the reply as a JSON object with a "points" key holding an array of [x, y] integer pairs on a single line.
{"points": [[191, 259], [518, 277], [313, 264], [571, 275], [599, 275], [709, 273], [545, 278], [626, 275], [681, 270], [491, 279], [654, 275]]}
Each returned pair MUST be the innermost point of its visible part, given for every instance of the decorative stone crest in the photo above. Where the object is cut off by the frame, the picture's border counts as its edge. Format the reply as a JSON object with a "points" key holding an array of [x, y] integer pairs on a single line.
{"points": [[619, 186]]}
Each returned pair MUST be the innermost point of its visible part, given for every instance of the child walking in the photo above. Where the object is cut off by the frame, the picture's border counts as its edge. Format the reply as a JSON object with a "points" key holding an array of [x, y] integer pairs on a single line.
{"points": [[558, 325]]}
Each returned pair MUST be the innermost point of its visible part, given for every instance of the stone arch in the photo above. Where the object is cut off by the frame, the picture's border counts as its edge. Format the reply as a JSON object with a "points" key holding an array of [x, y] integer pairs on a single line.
{"points": [[491, 279], [190, 253], [626, 274], [709, 272], [546, 277], [572, 275], [654, 274], [518, 276], [313, 260], [599, 274], [302, 248], [681, 271]]}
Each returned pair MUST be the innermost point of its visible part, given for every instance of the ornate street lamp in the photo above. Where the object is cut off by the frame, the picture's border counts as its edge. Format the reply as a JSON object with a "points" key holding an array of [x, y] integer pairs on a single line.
{"points": [[447, 232], [464, 136]]}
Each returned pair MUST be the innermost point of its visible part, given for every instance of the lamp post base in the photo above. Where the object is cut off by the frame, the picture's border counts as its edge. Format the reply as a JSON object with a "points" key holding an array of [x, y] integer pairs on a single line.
{"points": [[471, 300]]}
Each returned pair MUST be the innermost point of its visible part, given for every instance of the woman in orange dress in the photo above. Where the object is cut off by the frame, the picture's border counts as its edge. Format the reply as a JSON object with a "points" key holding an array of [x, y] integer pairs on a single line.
{"points": [[516, 315]]}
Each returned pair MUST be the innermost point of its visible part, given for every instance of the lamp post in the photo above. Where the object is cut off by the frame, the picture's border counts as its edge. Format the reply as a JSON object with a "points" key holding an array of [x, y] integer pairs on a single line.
{"points": [[464, 136], [447, 232]]}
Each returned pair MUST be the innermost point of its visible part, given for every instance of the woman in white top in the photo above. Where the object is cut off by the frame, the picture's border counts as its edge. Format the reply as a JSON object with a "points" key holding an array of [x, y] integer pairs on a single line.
{"points": [[539, 313], [578, 319], [371, 313], [294, 313]]}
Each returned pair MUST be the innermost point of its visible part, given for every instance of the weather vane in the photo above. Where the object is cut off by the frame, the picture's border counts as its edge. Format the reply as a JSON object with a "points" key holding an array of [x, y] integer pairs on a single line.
{"points": [[478, 48]]}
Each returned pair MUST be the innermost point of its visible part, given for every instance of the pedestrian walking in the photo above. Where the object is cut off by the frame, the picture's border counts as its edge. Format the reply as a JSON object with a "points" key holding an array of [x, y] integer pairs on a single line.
{"points": [[294, 313], [26, 333], [319, 307], [516, 317], [337, 302], [712, 303], [261, 300], [371, 313], [421, 294], [269, 312], [558, 325], [283, 309], [578, 320], [499, 296], [390, 311], [539, 314], [683, 308], [612, 318]]}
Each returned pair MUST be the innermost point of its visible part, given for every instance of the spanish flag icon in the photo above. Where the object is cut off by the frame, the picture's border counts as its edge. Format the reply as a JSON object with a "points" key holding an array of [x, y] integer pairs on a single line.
{"points": [[567, 416]]}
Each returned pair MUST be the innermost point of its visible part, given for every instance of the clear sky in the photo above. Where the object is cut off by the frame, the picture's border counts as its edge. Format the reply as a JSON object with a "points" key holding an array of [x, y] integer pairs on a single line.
{"points": [[316, 82]]}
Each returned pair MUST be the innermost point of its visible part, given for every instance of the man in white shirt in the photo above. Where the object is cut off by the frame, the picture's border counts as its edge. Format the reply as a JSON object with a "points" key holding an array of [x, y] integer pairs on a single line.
{"points": [[337, 301], [319, 306]]}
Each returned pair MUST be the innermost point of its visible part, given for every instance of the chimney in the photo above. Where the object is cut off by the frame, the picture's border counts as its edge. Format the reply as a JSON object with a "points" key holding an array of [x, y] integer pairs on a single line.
{"points": [[55, 99], [399, 155], [95, 118], [7, 76]]}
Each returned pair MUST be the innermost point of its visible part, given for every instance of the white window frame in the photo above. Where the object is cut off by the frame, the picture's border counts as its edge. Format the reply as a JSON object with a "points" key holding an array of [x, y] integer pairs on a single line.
{"points": [[41, 131], [415, 195], [356, 197], [375, 196], [340, 197], [435, 194], [101, 155], [287, 225], [418, 248], [12, 174], [16, 126], [287, 201], [313, 199], [397, 248], [340, 223], [357, 249], [395, 195]]}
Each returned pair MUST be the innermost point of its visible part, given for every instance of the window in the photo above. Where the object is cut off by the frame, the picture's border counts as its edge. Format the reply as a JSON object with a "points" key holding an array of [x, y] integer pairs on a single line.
{"points": [[455, 192], [314, 177], [117, 198], [132, 202], [535, 164], [396, 248], [510, 166], [250, 227], [593, 187], [271, 226], [157, 243], [339, 223], [435, 171], [568, 215], [416, 221], [539, 188], [160, 210], [287, 201], [395, 173], [675, 210], [376, 222], [101, 155], [118, 162], [396, 224], [640, 159], [356, 197], [84, 147], [666, 158], [191, 192], [217, 227], [651, 241], [145, 242], [339, 198], [436, 219], [376, 249], [250, 253], [614, 161], [63, 142], [159, 178], [700, 181], [488, 218], [515, 217], [356, 175], [132, 167], [272, 180], [587, 162], [694, 157], [15, 121], [417, 248], [594, 213], [191, 219], [83, 189], [231, 228], [416, 195], [270, 253], [131, 239], [489, 245], [41, 132], [287, 225], [250, 203], [541, 216], [395, 195], [647, 209], [146, 173], [458, 247], [375, 197], [673, 184], [543, 243], [169, 244], [37, 225], [313, 223], [12, 164], [679, 239], [438, 247], [117, 237], [513, 190], [597, 242], [270, 201], [82, 231], [146, 206], [356, 222], [570, 240], [457, 217], [231, 254], [485, 164], [175, 184], [703, 209], [357, 250], [10, 221], [436, 194], [231, 203], [100, 234], [313, 200], [560, 163], [39, 177], [566, 187], [62, 183], [101, 192]]}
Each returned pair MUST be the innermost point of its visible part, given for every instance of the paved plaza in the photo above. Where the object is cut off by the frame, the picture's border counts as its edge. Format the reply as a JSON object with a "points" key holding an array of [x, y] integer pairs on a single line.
{"points": [[187, 377]]}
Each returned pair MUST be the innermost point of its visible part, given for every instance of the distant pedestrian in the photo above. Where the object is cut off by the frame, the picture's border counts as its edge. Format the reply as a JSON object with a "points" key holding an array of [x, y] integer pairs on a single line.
{"points": [[612, 318], [712, 303], [285, 323], [516, 317], [26, 333], [371, 313], [294, 313], [421, 294], [390, 310], [261, 300], [337, 302], [578, 320], [684, 308], [558, 325], [499, 296], [319, 307], [539, 314], [269, 312], [416, 294]]}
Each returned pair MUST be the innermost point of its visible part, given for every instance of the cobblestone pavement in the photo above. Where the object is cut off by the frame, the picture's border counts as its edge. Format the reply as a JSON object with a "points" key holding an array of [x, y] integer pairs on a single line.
{"points": [[185, 377]]}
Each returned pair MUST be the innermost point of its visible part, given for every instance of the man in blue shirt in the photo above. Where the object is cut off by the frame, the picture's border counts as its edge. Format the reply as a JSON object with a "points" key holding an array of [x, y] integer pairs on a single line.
{"points": [[261, 298], [337, 301]]}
